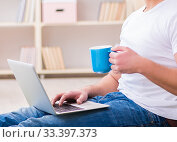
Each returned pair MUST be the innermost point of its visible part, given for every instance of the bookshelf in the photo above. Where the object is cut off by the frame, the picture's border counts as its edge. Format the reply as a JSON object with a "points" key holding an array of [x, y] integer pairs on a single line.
{"points": [[6, 72], [64, 35], [84, 23], [3, 25]]}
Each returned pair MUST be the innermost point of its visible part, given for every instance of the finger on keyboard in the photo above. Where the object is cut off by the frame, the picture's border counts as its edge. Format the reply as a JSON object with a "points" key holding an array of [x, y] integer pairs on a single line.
{"points": [[57, 98], [62, 99]]}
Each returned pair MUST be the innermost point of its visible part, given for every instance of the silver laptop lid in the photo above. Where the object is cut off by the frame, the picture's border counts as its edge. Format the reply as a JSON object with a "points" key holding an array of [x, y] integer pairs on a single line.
{"points": [[31, 86]]}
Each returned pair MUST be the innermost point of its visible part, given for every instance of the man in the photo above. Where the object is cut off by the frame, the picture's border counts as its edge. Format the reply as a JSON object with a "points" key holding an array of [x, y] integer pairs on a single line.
{"points": [[142, 81]]}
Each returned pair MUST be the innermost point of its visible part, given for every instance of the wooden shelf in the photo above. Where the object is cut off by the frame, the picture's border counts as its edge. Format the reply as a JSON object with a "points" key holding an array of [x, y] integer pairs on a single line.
{"points": [[54, 72], [17, 25], [83, 23], [6, 72], [99, 23], [80, 23], [66, 71]]}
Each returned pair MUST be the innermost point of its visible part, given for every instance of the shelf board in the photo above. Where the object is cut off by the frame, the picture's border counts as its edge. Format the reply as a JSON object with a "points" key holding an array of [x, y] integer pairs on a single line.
{"points": [[17, 24], [99, 23], [50, 72], [66, 71], [84, 23], [6, 72], [56, 72]]}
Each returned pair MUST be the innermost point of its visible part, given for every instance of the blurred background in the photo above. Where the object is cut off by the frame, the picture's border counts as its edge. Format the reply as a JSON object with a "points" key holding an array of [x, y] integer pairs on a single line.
{"points": [[55, 36]]}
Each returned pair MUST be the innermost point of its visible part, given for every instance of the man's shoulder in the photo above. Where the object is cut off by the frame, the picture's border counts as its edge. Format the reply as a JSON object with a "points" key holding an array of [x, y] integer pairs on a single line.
{"points": [[171, 11], [171, 7], [168, 11]]}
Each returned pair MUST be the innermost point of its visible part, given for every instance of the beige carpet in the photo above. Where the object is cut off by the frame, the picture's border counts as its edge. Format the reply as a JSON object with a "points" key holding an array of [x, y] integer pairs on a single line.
{"points": [[12, 98]]}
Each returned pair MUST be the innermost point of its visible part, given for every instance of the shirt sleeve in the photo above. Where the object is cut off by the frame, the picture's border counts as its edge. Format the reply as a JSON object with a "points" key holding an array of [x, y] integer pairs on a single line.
{"points": [[173, 34]]}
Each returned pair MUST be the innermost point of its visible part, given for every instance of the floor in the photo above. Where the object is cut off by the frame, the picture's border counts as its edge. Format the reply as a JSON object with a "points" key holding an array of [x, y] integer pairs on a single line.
{"points": [[12, 98]]}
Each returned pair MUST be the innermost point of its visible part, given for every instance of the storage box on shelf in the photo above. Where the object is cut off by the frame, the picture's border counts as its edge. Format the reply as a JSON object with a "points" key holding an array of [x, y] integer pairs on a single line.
{"points": [[73, 38], [59, 11]]}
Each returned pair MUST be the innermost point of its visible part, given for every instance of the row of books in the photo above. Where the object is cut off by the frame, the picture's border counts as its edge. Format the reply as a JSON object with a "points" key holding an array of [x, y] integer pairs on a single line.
{"points": [[112, 11], [26, 11], [52, 57]]}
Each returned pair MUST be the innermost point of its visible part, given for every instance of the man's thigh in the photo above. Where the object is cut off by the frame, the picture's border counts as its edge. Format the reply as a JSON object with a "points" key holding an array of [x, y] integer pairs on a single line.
{"points": [[128, 113]]}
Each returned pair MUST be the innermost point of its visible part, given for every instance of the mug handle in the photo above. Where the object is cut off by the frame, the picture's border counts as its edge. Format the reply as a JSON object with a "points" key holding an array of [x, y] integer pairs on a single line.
{"points": [[114, 52], [110, 52], [115, 46]]}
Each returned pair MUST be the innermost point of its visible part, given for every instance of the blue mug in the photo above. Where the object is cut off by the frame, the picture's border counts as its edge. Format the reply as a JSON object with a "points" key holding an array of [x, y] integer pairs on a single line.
{"points": [[100, 58]]}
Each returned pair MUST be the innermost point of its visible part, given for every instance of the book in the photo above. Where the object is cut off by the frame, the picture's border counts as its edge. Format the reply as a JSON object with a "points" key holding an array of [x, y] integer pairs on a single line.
{"points": [[110, 15], [21, 10], [56, 58], [52, 58], [107, 11], [32, 9], [26, 16], [123, 12], [26, 11], [28, 55], [116, 8], [112, 11], [102, 11], [60, 56], [120, 13], [46, 58]]}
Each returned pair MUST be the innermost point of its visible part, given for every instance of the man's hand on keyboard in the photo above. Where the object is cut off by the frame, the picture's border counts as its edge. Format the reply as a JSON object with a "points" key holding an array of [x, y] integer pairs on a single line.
{"points": [[79, 95]]}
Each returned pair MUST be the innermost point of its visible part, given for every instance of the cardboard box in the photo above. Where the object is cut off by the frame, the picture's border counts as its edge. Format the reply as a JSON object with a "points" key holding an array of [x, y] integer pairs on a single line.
{"points": [[59, 11]]}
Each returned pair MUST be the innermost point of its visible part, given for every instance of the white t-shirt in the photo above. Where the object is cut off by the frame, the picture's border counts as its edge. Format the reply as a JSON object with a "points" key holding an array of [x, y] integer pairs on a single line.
{"points": [[153, 35]]}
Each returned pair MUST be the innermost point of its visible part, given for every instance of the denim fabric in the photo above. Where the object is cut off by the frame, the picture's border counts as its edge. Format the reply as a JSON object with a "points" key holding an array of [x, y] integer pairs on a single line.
{"points": [[122, 112]]}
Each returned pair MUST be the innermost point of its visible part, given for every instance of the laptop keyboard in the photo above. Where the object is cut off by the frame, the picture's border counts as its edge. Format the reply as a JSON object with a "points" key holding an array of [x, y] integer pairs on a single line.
{"points": [[66, 108]]}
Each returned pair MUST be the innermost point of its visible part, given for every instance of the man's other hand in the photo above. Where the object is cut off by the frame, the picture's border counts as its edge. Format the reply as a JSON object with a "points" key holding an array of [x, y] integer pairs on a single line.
{"points": [[125, 60]]}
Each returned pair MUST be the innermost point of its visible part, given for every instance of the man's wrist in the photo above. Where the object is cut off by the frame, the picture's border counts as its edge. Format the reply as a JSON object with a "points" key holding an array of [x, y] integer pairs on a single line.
{"points": [[88, 90], [93, 90], [143, 65]]}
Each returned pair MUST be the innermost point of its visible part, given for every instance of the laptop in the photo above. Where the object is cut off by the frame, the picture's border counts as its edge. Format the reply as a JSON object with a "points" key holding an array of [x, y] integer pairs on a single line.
{"points": [[35, 93]]}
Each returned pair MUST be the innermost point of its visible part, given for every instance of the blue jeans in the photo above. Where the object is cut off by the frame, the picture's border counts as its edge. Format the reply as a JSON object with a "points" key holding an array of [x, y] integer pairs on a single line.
{"points": [[122, 112]]}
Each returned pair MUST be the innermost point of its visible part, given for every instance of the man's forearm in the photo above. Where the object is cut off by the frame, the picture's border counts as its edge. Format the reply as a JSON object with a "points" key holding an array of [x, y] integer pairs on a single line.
{"points": [[104, 86], [162, 76]]}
